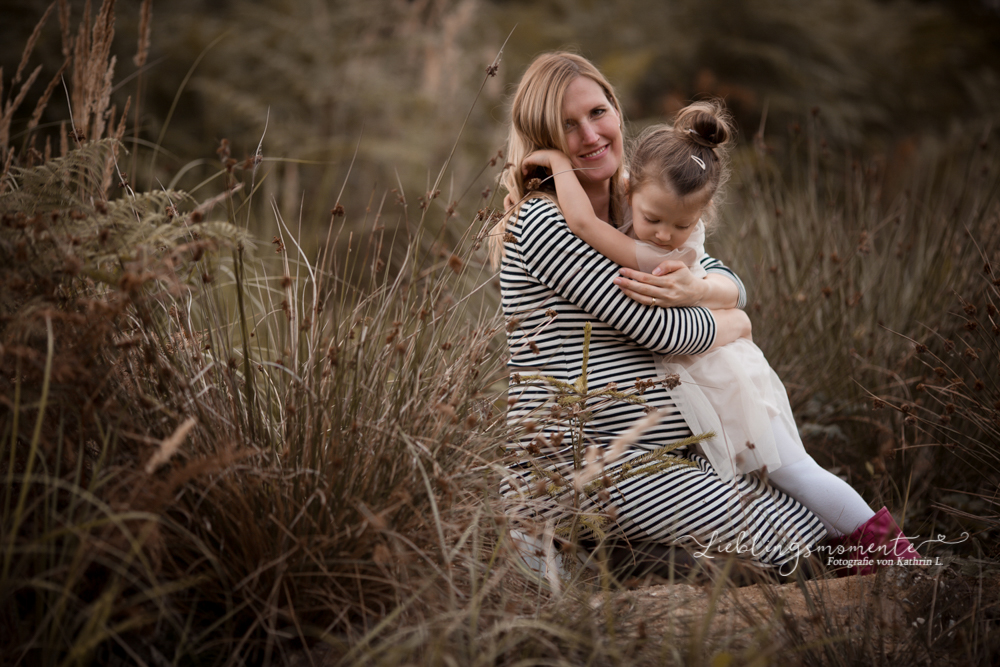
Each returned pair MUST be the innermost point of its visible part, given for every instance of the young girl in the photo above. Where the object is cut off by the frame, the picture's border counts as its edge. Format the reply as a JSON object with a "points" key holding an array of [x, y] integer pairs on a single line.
{"points": [[674, 179]]}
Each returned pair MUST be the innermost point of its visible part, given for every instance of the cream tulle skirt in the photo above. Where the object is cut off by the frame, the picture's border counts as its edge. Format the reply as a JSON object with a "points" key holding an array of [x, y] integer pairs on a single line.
{"points": [[733, 392]]}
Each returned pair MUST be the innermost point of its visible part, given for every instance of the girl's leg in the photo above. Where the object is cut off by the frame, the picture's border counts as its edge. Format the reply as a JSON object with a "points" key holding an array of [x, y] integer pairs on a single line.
{"points": [[838, 506]]}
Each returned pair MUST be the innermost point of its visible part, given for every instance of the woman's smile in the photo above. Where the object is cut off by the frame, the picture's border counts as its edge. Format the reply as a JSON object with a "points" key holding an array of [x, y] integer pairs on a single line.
{"points": [[599, 151]]}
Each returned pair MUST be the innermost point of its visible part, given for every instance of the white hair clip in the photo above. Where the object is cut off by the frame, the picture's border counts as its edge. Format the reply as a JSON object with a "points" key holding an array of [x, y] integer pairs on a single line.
{"points": [[699, 161]]}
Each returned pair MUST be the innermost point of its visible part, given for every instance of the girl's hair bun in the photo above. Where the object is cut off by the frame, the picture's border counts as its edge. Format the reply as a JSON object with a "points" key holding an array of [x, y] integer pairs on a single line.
{"points": [[692, 155], [707, 124]]}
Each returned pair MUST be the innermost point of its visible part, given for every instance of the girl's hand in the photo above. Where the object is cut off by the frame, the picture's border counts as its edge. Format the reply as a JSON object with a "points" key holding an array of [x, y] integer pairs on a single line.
{"points": [[509, 202], [676, 287], [550, 159]]}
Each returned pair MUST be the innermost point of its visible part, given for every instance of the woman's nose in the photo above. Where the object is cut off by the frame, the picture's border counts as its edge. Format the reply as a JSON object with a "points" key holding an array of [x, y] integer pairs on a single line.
{"points": [[588, 133]]}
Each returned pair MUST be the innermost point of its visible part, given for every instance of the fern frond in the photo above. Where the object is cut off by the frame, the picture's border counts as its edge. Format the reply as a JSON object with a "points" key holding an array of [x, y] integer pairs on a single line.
{"points": [[71, 182]]}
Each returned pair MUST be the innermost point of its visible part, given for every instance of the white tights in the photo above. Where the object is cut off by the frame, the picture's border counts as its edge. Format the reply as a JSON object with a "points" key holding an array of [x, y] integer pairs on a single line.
{"points": [[837, 505]]}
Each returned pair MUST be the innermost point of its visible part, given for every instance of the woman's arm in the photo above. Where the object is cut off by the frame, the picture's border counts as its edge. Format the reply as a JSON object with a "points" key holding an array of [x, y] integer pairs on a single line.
{"points": [[545, 247], [579, 213], [721, 288]]}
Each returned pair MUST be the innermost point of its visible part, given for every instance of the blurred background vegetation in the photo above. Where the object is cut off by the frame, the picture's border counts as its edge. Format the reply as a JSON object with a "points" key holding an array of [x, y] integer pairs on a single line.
{"points": [[394, 79], [349, 405]]}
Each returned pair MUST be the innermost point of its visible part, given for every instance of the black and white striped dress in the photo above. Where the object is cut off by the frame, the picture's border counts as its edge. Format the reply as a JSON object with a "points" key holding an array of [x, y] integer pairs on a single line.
{"points": [[553, 283]]}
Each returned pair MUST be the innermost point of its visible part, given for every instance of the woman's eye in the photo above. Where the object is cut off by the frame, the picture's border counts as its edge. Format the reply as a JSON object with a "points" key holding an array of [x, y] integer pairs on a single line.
{"points": [[598, 112]]}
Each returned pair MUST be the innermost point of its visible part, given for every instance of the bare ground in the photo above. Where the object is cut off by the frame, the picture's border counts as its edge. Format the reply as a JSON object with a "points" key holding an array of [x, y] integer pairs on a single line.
{"points": [[901, 615]]}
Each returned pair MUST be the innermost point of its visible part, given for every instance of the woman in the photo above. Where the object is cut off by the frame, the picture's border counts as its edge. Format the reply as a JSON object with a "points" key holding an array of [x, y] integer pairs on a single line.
{"points": [[553, 284]]}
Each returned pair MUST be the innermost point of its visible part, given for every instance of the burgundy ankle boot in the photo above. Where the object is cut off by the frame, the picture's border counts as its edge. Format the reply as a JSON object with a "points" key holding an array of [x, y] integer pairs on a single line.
{"points": [[878, 539]]}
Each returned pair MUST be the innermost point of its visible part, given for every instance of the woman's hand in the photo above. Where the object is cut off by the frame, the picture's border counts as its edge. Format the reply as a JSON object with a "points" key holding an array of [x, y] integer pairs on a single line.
{"points": [[676, 287], [673, 285], [731, 324]]}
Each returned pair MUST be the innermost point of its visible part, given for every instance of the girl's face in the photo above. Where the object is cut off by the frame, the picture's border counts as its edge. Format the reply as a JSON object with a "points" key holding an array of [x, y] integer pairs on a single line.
{"points": [[662, 218], [593, 131]]}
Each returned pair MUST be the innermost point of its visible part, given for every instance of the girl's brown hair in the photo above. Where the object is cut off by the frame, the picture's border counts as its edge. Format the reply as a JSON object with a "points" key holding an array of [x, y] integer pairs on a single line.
{"points": [[536, 123], [688, 156]]}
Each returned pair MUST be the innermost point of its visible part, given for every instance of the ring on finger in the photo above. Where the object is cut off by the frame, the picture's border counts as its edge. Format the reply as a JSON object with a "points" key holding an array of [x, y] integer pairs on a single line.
{"points": [[654, 301]]}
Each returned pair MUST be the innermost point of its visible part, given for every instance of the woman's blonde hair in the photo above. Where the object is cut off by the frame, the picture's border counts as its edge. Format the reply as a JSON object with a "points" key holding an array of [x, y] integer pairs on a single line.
{"points": [[536, 123]]}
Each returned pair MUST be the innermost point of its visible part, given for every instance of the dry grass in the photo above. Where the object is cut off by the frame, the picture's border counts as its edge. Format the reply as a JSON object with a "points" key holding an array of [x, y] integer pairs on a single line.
{"points": [[872, 261], [219, 454]]}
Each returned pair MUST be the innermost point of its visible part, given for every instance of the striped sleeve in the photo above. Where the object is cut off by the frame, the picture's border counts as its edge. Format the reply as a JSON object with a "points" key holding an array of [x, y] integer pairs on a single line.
{"points": [[712, 265], [565, 264]]}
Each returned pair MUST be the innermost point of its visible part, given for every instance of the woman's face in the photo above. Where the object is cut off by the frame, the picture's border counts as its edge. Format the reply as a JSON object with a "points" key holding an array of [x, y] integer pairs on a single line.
{"points": [[593, 131]]}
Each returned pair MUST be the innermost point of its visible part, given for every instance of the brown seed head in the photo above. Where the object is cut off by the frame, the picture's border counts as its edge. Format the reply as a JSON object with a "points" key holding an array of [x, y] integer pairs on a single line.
{"points": [[642, 385], [672, 381]]}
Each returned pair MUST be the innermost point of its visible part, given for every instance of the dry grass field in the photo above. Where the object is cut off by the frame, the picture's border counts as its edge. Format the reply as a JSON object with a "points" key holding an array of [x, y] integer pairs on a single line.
{"points": [[231, 434]]}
